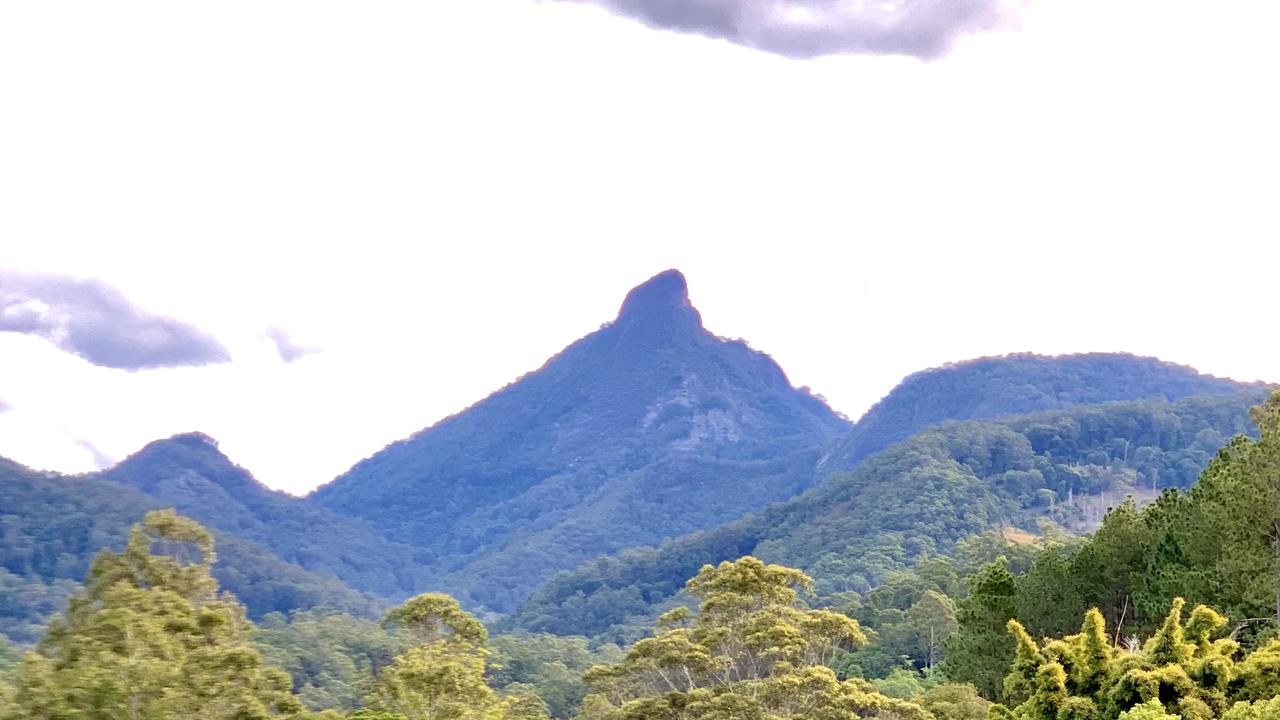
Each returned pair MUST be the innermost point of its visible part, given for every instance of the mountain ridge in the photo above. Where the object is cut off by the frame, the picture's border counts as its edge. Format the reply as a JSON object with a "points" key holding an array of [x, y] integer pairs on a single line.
{"points": [[1014, 384], [652, 389]]}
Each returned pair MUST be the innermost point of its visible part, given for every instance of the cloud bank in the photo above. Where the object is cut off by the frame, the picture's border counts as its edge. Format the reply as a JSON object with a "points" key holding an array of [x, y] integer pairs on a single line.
{"points": [[94, 321], [809, 28], [288, 350]]}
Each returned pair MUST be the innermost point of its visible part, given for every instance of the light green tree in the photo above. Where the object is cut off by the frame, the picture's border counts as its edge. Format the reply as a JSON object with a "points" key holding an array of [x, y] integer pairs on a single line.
{"points": [[149, 637], [443, 676], [1181, 671], [749, 652], [954, 701]]}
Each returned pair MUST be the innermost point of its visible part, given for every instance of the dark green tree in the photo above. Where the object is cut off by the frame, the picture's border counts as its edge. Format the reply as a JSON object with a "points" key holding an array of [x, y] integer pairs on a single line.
{"points": [[980, 650]]}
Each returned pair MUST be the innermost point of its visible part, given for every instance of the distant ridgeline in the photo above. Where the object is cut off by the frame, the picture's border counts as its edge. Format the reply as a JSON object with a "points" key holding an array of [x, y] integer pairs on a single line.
{"points": [[649, 430]]}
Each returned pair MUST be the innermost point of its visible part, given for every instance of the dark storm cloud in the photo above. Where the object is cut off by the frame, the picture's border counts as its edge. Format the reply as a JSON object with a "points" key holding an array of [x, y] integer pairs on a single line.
{"points": [[289, 351], [809, 28], [96, 322]]}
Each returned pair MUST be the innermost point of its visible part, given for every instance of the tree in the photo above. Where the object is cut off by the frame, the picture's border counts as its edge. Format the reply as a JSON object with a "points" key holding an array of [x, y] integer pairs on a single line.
{"points": [[150, 637], [980, 650], [1180, 671], [332, 658], [932, 620], [551, 666], [443, 676], [748, 652], [1237, 518], [955, 701]]}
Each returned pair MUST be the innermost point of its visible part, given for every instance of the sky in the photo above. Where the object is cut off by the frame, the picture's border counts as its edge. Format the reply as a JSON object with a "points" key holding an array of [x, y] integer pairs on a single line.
{"points": [[309, 228]]}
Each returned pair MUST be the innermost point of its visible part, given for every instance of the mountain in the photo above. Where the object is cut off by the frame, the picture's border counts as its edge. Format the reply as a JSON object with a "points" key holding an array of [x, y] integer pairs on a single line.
{"points": [[649, 428], [914, 500], [53, 525], [1016, 385], [190, 474]]}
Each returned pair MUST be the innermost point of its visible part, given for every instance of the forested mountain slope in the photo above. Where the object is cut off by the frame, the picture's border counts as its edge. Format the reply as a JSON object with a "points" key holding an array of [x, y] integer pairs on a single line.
{"points": [[52, 526], [649, 428], [189, 473], [1016, 385], [916, 499]]}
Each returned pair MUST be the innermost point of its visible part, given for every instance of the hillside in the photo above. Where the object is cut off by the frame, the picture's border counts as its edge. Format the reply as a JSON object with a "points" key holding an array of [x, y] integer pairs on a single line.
{"points": [[915, 500], [993, 387], [54, 524], [189, 473], [649, 428]]}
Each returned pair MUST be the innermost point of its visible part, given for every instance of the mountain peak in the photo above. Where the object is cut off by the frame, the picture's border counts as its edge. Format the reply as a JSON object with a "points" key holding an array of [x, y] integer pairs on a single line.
{"points": [[661, 297]]}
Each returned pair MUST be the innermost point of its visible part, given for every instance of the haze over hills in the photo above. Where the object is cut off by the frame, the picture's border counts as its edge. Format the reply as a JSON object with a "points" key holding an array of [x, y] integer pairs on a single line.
{"points": [[646, 429]]}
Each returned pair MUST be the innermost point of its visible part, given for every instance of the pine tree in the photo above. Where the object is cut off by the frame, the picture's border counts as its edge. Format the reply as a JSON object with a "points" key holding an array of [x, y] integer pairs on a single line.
{"points": [[981, 650]]}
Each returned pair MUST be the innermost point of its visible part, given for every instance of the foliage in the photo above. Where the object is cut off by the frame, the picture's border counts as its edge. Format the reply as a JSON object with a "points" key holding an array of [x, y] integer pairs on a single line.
{"points": [[1214, 545], [912, 615], [748, 651], [331, 657], [150, 636], [8, 657], [442, 677], [551, 666], [954, 701], [189, 473], [1181, 671], [982, 618], [902, 683], [928, 493], [53, 525]]}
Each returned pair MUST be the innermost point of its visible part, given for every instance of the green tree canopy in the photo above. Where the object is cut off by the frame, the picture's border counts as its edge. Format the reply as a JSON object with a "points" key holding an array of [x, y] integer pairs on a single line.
{"points": [[149, 637], [749, 651], [1184, 670], [443, 676]]}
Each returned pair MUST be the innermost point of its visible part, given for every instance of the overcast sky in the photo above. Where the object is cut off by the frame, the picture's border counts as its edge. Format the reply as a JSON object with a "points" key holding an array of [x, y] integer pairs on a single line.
{"points": [[311, 228]]}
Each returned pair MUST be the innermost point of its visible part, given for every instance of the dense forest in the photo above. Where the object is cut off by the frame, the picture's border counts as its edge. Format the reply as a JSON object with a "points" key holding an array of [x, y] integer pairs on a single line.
{"points": [[54, 525], [1169, 611], [917, 500], [1014, 385]]}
